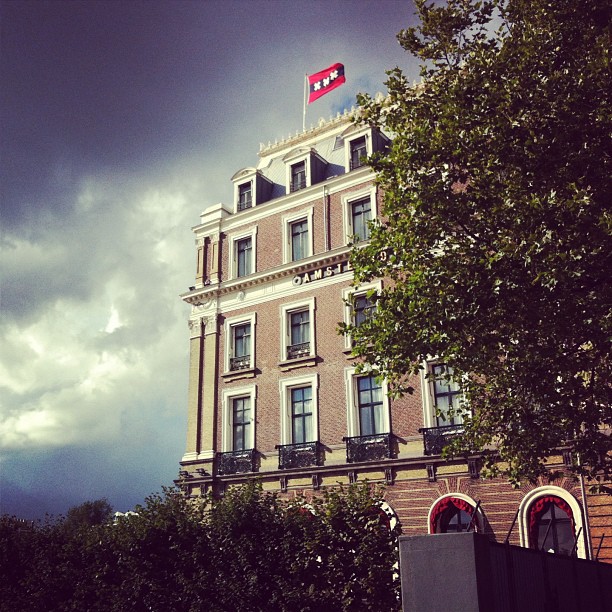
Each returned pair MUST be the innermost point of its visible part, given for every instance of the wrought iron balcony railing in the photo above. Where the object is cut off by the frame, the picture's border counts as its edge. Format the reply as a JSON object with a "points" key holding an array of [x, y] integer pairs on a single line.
{"points": [[240, 363], [436, 438], [357, 162], [368, 448], [298, 350], [299, 455], [236, 462], [297, 184]]}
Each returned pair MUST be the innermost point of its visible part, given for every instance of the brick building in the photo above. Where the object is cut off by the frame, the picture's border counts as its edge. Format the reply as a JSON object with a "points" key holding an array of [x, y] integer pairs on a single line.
{"points": [[273, 391]]}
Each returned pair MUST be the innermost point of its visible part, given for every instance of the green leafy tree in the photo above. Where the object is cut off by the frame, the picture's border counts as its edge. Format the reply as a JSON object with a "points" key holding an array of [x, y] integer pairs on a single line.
{"points": [[88, 513], [495, 231], [248, 551]]}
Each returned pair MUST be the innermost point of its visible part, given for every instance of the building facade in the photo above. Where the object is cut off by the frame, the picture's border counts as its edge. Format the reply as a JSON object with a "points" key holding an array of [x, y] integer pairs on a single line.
{"points": [[273, 388]]}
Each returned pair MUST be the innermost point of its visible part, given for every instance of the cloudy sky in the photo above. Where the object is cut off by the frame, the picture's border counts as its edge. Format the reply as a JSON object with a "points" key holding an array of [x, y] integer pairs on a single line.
{"points": [[120, 122]]}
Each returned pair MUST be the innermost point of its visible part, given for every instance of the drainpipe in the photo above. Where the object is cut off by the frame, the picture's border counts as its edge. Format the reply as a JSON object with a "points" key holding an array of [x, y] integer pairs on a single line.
{"points": [[587, 525], [326, 222]]}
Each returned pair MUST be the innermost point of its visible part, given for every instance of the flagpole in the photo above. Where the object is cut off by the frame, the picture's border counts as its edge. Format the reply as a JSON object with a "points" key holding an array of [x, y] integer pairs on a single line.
{"points": [[304, 116]]}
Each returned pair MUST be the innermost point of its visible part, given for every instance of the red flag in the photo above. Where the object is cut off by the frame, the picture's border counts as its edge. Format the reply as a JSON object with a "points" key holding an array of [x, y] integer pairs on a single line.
{"points": [[326, 80]]}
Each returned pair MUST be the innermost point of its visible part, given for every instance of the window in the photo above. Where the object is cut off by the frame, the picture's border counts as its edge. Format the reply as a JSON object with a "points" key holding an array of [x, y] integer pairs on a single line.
{"points": [[358, 306], [241, 353], [239, 342], [242, 261], [301, 415], [368, 404], [446, 395], [369, 398], [244, 256], [298, 234], [452, 514], [245, 196], [551, 525], [550, 519], [298, 176], [299, 240], [241, 423], [298, 333], [362, 309], [361, 214], [238, 414], [298, 396], [299, 326], [358, 150], [359, 210]]}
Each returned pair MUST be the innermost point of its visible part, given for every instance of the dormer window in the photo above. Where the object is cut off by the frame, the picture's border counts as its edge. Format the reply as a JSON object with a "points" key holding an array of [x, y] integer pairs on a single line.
{"points": [[245, 196], [298, 176], [362, 141], [251, 188], [358, 151], [304, 167]]}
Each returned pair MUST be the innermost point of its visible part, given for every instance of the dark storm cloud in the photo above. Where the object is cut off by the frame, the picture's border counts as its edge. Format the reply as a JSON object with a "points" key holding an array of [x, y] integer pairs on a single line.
{"points": [[120, 122]]}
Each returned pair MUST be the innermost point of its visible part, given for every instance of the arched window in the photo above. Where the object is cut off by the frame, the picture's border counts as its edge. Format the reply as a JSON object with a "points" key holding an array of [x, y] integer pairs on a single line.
{"points": [[452, 515], [551, 525], [554, 510]]}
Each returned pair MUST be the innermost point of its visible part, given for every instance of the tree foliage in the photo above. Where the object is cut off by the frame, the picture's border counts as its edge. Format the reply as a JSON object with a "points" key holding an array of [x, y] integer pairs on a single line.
{"points": [[248, 551], [495, 231]]}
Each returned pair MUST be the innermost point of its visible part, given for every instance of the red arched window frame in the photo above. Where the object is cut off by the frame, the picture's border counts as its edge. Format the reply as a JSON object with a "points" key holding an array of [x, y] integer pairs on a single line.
{"points": [[538, 508], [445, 504]]}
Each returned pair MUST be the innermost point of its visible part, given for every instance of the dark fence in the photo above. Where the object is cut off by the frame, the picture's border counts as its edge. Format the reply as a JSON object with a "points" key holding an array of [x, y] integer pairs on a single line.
{"points": [[466, 572]]}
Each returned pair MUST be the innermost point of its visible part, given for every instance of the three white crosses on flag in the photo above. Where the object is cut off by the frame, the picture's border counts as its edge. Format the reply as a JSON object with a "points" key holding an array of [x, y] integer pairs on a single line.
{"points": [[321, 83], [324, 81]]}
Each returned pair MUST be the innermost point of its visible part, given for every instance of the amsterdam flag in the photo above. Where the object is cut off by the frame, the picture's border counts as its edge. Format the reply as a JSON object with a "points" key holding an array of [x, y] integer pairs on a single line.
{"points": [[326, 80]]}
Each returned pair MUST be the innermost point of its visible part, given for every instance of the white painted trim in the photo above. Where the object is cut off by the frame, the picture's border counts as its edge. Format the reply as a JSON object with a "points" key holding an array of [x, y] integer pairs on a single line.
{"points": [[285, 385], [532, 496], [233, 251], [347, 295], [347, 201], [479, 516], [227, 414], [293, 217], [229, 324], [352, 408], [285, 310]]}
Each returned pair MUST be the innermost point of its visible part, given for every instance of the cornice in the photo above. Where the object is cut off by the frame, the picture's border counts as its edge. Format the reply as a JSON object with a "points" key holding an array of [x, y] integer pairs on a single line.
{"points": [[203, 295]]}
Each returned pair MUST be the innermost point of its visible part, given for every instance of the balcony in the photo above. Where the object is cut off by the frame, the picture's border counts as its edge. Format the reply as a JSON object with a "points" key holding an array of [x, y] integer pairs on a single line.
{"points": [[236, 462], [245, 203], [295, 351], [297, 183], [368, 448], [299, 455], [240, 363], [436, 438]]}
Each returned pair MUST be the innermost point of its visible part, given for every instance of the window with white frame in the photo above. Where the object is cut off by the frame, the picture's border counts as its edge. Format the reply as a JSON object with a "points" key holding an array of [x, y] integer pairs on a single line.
{"points": [[299, 239], [299, 409], [238, 431], [243, 254], [442, 397], [359, 209], [454, 513], [298, 331], [239, 340], [359, 305], [550, 519], [368, 404], [357, 152], [298, 176], [297, 231], [361, 215], [245, 195]]}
